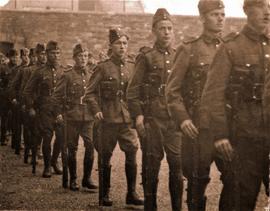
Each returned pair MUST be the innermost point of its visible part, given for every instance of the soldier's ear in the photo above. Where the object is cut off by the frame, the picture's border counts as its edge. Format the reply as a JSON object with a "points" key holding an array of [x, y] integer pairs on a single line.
{"points": [[202, 19]]}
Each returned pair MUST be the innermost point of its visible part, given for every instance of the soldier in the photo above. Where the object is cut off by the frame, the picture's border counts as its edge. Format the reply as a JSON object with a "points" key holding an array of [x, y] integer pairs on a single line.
{"points": [[2, 59], [153, 66], [9, 73], [236, 97], [32, 57], [15, 93], [110, 78], [42, 85], [69, 93], [184, 88]]}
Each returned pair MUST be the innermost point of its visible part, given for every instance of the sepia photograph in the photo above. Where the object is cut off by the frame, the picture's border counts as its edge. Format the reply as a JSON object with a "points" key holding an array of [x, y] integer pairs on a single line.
{"points": [[119, 105]]}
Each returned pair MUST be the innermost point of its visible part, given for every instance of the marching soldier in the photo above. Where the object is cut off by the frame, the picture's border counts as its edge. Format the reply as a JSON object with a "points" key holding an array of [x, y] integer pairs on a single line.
{"points": [[185, 86], [32, 57], [42, 85], [15, 89], [69, 92], [236, 97], [108, 84], [153, 66]]}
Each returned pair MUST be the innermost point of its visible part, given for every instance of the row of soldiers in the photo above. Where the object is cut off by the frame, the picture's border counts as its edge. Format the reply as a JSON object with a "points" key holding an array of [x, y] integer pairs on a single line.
{"points": [[205, 101]]}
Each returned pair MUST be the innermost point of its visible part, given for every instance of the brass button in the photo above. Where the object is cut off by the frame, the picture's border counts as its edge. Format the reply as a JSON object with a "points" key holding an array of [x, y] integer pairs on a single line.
{"points": [[167, 62]]}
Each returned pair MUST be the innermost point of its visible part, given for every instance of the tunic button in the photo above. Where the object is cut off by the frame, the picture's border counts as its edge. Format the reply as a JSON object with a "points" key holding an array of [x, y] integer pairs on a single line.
{"points": [[54, 75], [121, 65], [54, 81], [169, 71], [166, 53], [264, 43], [122, 74], [83, 81], [266, 69], [84, 87], [201, 63], [168, 62], [122, 83], [267, 55], [248, 65]]}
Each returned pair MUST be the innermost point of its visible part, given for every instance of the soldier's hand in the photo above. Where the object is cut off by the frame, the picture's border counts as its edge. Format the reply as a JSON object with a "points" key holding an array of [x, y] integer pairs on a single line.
{"points": [[189, 129], [224, 147], [99, 116], [32, 112], [140, 125], [14, 102], [59, 119]]}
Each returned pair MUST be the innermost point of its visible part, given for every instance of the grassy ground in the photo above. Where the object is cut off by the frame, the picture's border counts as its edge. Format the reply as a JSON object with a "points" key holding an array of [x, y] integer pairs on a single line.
{"points": [[20, 190]]}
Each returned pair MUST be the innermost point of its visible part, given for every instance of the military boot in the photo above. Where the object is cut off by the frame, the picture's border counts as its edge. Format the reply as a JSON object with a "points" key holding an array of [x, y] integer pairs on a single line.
{"points": [[104, 199], [132, 196], [72, 166], [176, 190], [87, 168], [47, 164], [54, 162], [26, 154]]}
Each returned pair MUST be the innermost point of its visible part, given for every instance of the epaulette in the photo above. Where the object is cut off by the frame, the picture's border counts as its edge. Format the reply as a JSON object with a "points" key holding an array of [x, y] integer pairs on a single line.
{"points": [[188, 40], [145, 49], [104, 61], [131, 58], [230, 36]]}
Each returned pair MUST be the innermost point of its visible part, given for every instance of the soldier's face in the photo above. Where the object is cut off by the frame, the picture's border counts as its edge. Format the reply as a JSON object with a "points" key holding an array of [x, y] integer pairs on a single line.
{"points": [[15, 60], [42, 58], [259, 16], [214, 20], [33, 59], [53, 56], [119, 47], [2, 60], [81, 59], [25, 59], [163, 30]]}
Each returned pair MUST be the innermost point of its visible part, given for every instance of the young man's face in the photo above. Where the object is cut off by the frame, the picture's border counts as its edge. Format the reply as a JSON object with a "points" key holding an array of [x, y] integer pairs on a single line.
{"points": [[259, 16], [15, 60], [53, 56], [119, 47], [25, 59], [163, 30], [214, 20], [41, 57], [81, 59]]}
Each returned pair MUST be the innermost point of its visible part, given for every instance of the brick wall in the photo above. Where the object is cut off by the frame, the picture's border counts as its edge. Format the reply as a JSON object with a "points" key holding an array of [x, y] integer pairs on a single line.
{"points": [[27, 28]]}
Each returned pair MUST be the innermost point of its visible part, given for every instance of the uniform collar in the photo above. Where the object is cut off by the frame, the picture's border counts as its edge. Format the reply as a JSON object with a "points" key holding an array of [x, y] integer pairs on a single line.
{"points": [[211, 38], [253, 35], [80, 70], [163, 50], [118, 61]]}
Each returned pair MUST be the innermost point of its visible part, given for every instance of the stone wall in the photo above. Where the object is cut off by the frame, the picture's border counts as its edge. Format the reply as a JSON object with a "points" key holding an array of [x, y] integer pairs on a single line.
{"points": [[27, 28]]}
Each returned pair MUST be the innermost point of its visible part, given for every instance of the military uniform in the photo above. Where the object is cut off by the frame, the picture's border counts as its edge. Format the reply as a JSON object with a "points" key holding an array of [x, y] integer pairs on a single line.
{"points": [[152, 68], [238, 79], [15, 93], [5, 77], [41, 85], [185, 85], [106, 93], [69, 92]]}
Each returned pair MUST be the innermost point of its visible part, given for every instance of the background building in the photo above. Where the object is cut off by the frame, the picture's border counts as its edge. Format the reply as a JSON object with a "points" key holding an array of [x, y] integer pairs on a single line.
{"points": [[106, 6]]}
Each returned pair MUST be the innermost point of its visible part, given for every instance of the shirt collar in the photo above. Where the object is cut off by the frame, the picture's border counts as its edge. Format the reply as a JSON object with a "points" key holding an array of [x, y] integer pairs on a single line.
{"points": [[163, 50], [211, 38], [80, 70], [118, 61], [253, 35]]}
